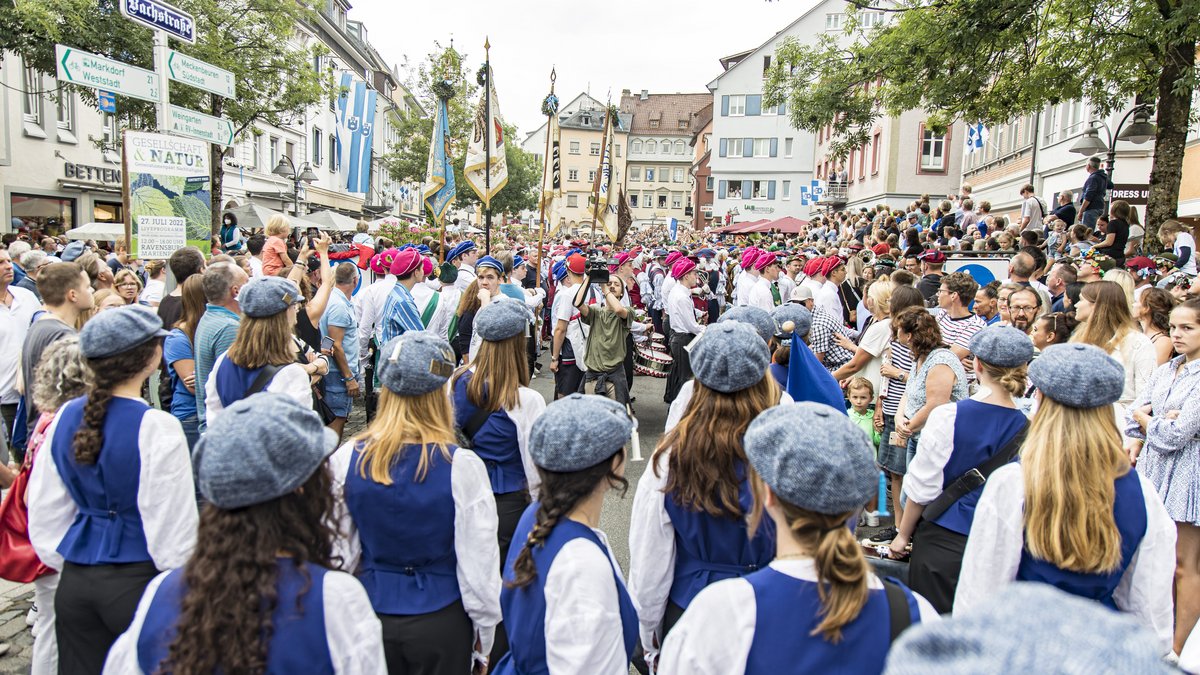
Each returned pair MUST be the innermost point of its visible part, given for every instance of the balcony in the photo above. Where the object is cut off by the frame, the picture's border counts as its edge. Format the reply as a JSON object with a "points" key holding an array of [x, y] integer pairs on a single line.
{"points": [[835, 194]]}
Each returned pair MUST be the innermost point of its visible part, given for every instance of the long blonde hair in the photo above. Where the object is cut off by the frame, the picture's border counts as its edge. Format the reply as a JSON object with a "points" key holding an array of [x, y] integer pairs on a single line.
{"points": [[264, 341], [1070, 460], [501, 369], [1111, 318], [426, 420]]}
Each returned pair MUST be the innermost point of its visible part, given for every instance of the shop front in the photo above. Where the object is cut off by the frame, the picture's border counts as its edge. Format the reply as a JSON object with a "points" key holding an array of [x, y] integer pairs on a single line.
{"points": [[80, 194]]}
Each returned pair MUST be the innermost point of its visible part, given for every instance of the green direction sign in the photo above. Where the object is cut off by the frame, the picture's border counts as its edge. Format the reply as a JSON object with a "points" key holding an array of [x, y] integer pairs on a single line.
{"points": [[200, 126], [197, 73], [90, 70]]}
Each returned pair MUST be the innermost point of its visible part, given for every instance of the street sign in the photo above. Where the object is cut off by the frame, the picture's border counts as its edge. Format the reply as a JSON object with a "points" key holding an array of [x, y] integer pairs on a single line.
{"points": [[107, 101], [158, 15], [202, 127], [201, 75], [90, 70]]}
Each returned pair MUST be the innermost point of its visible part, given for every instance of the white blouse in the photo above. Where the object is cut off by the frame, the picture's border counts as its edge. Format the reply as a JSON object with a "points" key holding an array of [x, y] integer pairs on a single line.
{"points": [[291, 380]]}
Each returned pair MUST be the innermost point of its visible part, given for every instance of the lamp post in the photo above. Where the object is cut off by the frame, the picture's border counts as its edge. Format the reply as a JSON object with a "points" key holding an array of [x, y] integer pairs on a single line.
{"points": [[287, 169], [1139, 131]]}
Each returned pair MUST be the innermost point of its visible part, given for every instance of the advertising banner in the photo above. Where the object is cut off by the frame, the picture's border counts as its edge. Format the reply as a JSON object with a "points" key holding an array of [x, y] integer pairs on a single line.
{"points": [[167, 194]]}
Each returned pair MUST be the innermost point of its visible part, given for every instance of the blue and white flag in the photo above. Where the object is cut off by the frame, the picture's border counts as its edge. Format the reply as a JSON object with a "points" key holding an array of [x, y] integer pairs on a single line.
{"points": [[811, 193], [439, 174], [977, 135], [356, 119], [673, 228]]}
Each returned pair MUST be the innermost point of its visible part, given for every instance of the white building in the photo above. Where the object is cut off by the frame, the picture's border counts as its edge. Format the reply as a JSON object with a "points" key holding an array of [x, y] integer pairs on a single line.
{"points": [[535, 142], [658, 171]]}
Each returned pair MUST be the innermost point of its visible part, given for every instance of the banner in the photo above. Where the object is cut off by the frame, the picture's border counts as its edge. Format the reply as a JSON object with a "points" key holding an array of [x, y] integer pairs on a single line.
{"points": [[167, 190], [488, 130], [355, 122], [552, 174], [604, 179], [439, 175]]}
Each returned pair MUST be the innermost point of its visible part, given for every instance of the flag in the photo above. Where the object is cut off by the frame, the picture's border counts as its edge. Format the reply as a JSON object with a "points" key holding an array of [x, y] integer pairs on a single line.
{"points": [[355, 122], [977, 135], [439, 175], [488, 130], [624, 216], [673, 228], [552, 174], [604, 179], [809, 381]]}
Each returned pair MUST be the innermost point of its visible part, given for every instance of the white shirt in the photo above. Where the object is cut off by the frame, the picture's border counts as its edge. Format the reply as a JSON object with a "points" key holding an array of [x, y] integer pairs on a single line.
{"points": [[716, 632], [584, 633], [439, 323], [1136, 356], [997, 538], [564, 309], [874, 342], [668, 283], [475, 544], [291, 380], [465, 276], [684, 397], [760, 295], [352, 630], [651, 552], [368, 311], [827, 298], [166, 496], [923, 480], [14, 325], [786, 285], [1183, 239], [255, 266], [681, 312], [153, 291], [812, 285], [742, 284]]}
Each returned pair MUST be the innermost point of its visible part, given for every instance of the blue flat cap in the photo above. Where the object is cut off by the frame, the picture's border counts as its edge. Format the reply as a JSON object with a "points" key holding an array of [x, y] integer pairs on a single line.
{"points": [[1077, 375], [461, 248], [727, 358], [798, 314], [559, 270], [813, 457], [578, 432], [518, 261], [415, 363], [116, 331], [501, 320], [424, 250], [267, 296], [261, 448], [72, 251], [1002, 346], [489, 261], [756, 317], [1029, 628]]}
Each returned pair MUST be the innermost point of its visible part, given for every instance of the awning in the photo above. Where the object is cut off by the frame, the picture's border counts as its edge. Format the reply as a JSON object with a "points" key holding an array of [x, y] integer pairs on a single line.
{"points": [[332, 220], [97, 231], [255, 217], [786, 224]]}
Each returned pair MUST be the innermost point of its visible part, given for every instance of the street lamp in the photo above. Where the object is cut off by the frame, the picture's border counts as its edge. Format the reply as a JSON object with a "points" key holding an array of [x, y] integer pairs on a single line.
{"points": [[1140, 130], [287, 169]]}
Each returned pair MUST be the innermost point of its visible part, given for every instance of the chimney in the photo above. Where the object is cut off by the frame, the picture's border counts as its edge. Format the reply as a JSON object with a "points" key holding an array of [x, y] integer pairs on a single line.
{"points": [[645, 94], [625, 92]]}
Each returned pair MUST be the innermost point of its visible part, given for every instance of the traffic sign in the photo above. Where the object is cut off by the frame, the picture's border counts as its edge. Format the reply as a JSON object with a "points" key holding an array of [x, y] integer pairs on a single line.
{"points": [[197, 73], [158, 15], [90, 70], [202, 127], [107, 101]]}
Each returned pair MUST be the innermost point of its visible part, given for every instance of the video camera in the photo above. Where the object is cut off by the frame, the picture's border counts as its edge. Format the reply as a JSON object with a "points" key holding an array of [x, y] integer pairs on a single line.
{"points": [[597, 268]]}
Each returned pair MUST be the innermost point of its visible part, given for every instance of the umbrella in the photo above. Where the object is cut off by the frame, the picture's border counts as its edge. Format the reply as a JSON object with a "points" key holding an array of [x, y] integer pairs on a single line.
{"points": [[255, 217], [37, 208], [332, 220], [390, 221], [786, 224], [738, 227], [98, 231]]}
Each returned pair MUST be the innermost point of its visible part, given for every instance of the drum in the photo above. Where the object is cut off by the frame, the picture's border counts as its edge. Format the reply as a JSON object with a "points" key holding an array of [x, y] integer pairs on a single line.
{"points": [[652, 362], [660, 340]]}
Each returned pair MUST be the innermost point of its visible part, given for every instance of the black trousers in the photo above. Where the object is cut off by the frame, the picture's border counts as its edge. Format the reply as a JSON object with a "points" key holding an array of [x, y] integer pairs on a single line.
{"points": [[936, 562], [568, 380], [94, 605], [437, 643], [509, 508], [681, 365]]}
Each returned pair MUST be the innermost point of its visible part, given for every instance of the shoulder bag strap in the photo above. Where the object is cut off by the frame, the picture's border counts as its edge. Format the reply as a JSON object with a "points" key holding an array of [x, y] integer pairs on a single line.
{"points": [[262, 380], [475, 423], [898, 612], [976, 477], [427, 315]]}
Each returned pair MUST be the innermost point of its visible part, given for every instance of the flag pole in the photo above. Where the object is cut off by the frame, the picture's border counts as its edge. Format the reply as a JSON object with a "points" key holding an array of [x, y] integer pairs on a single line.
{"points": [[599, 176], [545, 165], [487, 146]]}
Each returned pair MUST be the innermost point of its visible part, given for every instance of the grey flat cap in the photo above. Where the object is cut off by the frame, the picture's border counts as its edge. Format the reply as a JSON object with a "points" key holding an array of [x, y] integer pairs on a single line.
{"points": [[72, 251], [1077, 375], [798, 314], [260, 449], [118, 330], [267, 296], [501, 320], [1002, 346], [727, 358], [415, 363], [813, 457], [1029, 628], [758, 319], [579, 431]]}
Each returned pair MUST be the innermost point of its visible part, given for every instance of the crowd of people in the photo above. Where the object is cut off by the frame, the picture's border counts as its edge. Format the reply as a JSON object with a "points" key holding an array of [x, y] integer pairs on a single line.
{"points": [[199, 505]]}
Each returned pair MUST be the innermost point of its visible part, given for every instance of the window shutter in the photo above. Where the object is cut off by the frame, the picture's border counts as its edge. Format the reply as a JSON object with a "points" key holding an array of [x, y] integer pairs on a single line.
{"points": [[724, 146], [747, 147], [774, 147], [770, 189], [724, 106], [722, 189], [754, 104], [747, 187]]}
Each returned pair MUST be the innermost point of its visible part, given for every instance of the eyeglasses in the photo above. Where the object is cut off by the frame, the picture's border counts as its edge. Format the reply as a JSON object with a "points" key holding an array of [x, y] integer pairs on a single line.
{"points": [[1021, 310], [127, 284]]}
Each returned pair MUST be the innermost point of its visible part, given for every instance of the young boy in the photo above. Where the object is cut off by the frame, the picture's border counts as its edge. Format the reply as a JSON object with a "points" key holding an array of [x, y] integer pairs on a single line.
{"points": [[861, 395]]}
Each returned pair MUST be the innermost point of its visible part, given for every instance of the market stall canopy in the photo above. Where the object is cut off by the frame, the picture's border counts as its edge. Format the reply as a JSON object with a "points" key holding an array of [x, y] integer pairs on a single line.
{"points": [[737, 227], [786, 224], [332, 220], [255, 217], [98, 231]]}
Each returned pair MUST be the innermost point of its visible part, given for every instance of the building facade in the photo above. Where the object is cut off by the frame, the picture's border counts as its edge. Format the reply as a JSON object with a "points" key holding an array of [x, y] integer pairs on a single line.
{"points": [[658, 182], [703, 187], [582, 138]]}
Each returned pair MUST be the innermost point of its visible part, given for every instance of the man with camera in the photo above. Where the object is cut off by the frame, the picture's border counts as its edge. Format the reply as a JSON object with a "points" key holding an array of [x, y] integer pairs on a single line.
{"points": [[610, 322]]}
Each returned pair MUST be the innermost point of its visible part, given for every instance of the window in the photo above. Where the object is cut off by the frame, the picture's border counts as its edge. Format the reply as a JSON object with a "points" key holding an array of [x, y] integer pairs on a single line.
{"points": [[662, 201], [762, 147], [573, 175], [870, 19], [289, 149], [708, 184], [594, 150], [735, 147], [317, 145], [572, 201], [274, 152], [635, 173], [875, 142], [592, 176], [735, 189], [683, 124], [574, 147], [635, 147], [862, 163], [665, 147], [834, 21], [677, 176], [66, 111], [633, 200], [649, 174], [651, 147], [771, 110], [664, 174], [653, 124], [33, 96], [787, 189], [585, 120], [679, 147], [758, 189], [333, 154], [617, 149], [787, 147], [109, 122], [850, 166], [677, 200], [737, 105], [766, 64], [933, 151]]}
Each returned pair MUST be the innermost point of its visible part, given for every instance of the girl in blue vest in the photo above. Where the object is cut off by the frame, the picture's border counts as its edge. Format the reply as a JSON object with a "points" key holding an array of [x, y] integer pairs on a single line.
{"points": [[817, 608], [259, 594], [564, 601], [688, 527], [1073, 513], [264, 341], [959, 437], [111, 499], [419, 519]]}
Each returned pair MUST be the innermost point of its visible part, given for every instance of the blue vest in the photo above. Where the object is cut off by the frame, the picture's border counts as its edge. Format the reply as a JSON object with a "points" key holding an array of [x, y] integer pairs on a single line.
{"points": [[108, 528], [1129, 509], [524, 609], [298, 640], [709, 548], [407, 533], [780, 373], [233, 381], [495, 442], [787, 610], [980, 431]]}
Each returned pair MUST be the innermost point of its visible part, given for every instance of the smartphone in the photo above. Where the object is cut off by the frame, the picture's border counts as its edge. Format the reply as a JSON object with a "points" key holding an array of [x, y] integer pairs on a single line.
{"points": [[326, 343], [896, 439]]}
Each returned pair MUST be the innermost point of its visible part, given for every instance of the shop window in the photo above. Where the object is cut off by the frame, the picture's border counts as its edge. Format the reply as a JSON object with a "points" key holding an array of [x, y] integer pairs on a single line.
{"points": [[51, 215]]}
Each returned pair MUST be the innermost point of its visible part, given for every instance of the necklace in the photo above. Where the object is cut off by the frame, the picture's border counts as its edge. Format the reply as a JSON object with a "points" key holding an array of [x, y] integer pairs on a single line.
{"points": [[792, 556]]}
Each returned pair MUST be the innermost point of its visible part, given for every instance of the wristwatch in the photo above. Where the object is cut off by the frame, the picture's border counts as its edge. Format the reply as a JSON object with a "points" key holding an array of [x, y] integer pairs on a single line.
{"points": [[347, 379]]}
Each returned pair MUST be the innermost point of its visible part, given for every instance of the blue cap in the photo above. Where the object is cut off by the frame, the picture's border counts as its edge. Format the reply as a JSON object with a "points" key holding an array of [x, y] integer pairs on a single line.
{"points": [[267, 296], [502, 319], [1078, 375], [758, 319], [706, 253], [116, 331], [578, 432], [415, 363], [1002, 346], [461, 248], [489, 261], [518, 261], [72, 251], [424, 250], [727, 358], [559, 270], [798, 314]]}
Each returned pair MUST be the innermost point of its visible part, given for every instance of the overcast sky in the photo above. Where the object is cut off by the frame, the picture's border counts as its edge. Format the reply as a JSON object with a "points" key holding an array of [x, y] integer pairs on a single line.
{"points": [[665, 46]]}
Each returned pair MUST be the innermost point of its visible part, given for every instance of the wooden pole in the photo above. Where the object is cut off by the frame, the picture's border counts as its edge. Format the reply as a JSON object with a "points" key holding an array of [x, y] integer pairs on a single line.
{"points": [[546, 167], [487, 147]]}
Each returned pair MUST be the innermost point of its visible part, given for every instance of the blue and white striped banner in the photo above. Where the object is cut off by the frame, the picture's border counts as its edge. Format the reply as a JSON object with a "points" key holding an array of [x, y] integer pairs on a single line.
{"points": [[356, 119]]}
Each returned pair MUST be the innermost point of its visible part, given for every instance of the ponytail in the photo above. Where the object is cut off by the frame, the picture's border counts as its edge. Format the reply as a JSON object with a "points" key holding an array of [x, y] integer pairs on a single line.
{"points": [[107, 373]]}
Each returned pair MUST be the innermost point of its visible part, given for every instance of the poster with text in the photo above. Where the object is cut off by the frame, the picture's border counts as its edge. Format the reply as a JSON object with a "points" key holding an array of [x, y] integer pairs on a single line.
{"points": [[167, 194]]}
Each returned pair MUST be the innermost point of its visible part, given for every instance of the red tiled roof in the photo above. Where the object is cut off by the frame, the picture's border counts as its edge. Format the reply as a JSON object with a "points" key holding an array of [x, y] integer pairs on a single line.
{"points": [[675, 114]]}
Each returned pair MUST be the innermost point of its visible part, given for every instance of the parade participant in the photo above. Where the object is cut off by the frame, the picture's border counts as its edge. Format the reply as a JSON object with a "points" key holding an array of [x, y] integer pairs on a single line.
{"points": [[746, 278], [681, 318], [568, 345], [260, 593], [563, 596], [111, 503], [463, 256], [262, 356], [418, 519], [400, 309], [688, 527], [801, 323], [828, 298], [764, 294], [1165, 424], [817, 607], [936, 377], [813, 279], [486, 289], [657, 273], [961, 442], [1105, 321], [369, 302]]}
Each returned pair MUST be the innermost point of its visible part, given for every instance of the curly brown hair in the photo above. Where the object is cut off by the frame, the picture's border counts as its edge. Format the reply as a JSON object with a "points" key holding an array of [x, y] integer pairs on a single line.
{"points": [[107, 373], [225, 618], [923, 329], [1158, 304], [962, 285]]}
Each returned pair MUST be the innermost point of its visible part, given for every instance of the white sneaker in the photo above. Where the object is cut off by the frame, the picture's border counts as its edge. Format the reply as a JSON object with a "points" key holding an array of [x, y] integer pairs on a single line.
{"points": [[870, 519], [31, 617]]}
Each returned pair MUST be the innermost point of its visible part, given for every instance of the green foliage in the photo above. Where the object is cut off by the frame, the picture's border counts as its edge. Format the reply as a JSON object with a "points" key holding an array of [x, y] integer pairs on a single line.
{"points": [[524, 178]]}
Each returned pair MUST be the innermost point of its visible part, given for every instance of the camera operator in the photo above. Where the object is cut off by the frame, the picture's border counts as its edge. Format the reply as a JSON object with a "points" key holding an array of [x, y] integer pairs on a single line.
{"points": [[607, 341]]}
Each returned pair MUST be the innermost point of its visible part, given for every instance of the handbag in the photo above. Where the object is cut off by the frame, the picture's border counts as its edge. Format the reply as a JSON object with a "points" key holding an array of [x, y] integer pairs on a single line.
{"points": [[18, 561]]}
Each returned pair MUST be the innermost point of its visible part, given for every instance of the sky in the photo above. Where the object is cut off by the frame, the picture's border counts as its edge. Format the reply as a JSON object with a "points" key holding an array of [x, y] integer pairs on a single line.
{"points": [[664, 46]]}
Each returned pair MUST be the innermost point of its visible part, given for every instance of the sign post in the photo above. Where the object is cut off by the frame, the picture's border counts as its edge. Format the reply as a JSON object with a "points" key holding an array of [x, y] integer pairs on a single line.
{"points": [[201, 75], [202, 127], [98, 72]]}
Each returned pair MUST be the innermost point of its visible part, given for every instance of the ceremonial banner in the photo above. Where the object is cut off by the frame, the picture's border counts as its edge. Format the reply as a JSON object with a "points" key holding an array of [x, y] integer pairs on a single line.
{"points": [[439, 175], [355, 121], [488, 131], [552, 173], [604, 180], [167, 192]]}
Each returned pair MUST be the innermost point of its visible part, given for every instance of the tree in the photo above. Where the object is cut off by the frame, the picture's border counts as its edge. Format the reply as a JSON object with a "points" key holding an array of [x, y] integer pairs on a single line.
{"points": [[993, 60], [275, 80], [524, 178]]}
